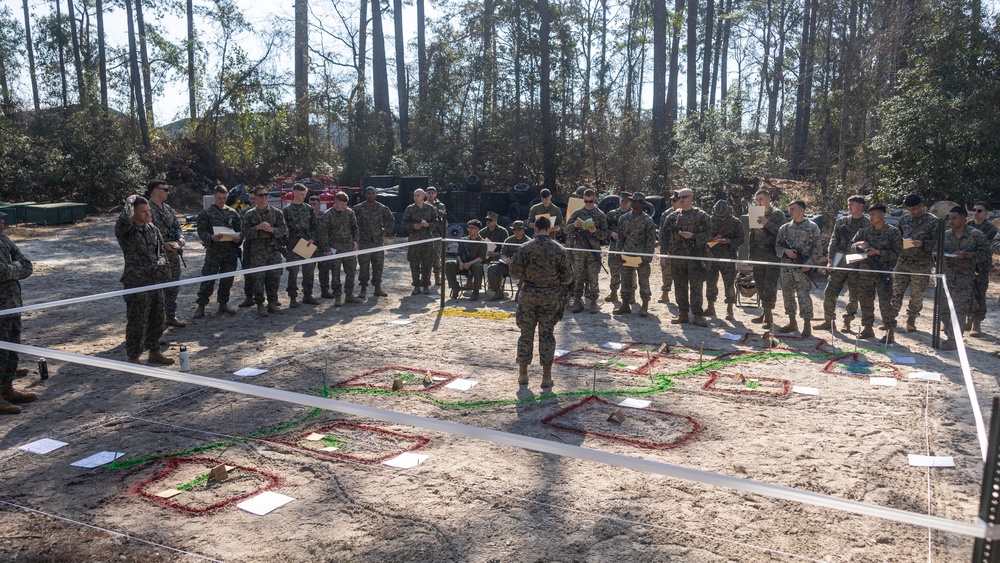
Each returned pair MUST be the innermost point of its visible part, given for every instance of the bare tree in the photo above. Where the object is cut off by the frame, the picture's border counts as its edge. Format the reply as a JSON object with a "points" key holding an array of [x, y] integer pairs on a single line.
{"points": [[147, 82], [421, 53], [102, 59], [61, 47], [302, 70], [136, 78], [692, 57], [192, 84], [80, 83], [402, 88], [544, 95], [31, 58]]}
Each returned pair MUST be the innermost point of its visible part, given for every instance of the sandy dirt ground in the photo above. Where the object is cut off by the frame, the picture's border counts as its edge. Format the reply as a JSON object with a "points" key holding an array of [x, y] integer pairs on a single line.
{"points": [[472, 500]]}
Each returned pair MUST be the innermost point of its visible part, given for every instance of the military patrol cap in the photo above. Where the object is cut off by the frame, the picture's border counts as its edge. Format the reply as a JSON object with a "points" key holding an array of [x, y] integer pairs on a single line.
{"points": [[638, 196], [492, 216], [911, 200], [519, 224], [625, 195]]}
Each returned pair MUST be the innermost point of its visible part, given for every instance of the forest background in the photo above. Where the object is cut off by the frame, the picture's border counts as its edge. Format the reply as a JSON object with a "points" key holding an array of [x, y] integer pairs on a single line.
{"points": [[881, 98]]}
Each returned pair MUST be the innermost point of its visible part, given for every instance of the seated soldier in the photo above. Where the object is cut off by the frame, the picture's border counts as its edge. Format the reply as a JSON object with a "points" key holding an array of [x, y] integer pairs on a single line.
{"points": [[471, 256], [498, 270]]}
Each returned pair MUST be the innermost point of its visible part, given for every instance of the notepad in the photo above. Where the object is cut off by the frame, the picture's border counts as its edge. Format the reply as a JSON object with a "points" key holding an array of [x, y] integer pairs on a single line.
{"points": [[852, 258], [631, 261], [228, 234], [908, 243], [304, 249], [755, 212]]}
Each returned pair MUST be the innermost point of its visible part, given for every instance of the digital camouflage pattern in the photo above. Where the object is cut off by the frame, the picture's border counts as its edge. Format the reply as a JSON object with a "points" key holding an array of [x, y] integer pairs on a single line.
{"points": [[302, 224], [844, 229], [889, 242], [142, 248], [261, 248], [762, 250], [961, 272], [914, 262], [689, 275], [14, 267], [467, 252], [636, 234], [498, 270], [587, 265], [728, 227], [614, 259], [539, 210], [544, 267], [666, 274], [983, 269], [170, 230], [220, 256], [338, 231], [375, 223], [805, 239], [438, 229], [420, 256]]}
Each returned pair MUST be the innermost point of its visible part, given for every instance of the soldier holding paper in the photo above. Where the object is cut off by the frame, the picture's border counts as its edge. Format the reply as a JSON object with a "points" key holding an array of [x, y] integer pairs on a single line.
{"points": [[222, 250], [301, 221]]}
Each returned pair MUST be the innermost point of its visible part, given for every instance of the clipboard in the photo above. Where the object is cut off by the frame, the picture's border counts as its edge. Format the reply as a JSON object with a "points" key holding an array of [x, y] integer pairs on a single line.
{"points": [[228, 235], [304, 249], [755, 212], [631, 261], [573, 204], [908, 243]]}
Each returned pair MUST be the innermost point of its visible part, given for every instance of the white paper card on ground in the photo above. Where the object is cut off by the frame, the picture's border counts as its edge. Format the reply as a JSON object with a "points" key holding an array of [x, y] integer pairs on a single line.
{"points": [[931, 460], [406, 460], [462, 384], [755, 212], [733, 337], [98, 459], [904, 360], [249, 372], [264, 503], [169, 493], [925, 375], [401, 322], [227, 234], [631, 261], [635, 403], [329, 449], [315, 437], [304, 249], [613, 346], [852, 258], [882, 381], [805, 390], [573, 204], [561, 353], [908, 243], [43, 446]]}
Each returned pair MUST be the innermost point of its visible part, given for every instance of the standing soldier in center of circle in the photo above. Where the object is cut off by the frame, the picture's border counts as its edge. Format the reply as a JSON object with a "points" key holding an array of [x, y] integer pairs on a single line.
{"points": [[220, 254], [981, 222], [614, 246], [881, 243], [438, 229], [338, 233], [762, 239], [586, 228], [301, 222], [920, 233], [263, 229], [165, 220], [419, 219], [964, 248], [798, 242], [375, 222], [544, 268], [726, 236], [687, 231], [637, 234], [844, 230]]}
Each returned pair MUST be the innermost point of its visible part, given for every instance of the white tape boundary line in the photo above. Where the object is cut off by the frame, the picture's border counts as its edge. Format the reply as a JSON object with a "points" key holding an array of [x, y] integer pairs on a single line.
{"points": [[107, 531], [978, 529], [708, 259], [188, 281], [970, 385]]}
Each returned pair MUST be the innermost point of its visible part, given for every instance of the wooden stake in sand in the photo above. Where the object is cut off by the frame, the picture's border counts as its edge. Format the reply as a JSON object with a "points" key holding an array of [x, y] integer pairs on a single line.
{"points": [[649, 366], [397, 384], [326, 370], [593, 390], [701, 354], [232, 412]]}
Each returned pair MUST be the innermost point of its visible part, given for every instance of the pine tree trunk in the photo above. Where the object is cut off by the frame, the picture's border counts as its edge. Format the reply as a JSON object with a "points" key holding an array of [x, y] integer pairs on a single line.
{"points": [[421, 54], [692, 57], [545, 105], [659, 65], [489, 62], [140, 109], [402, 87], [724, 62], [61, 42], [674, 71], [81, 85], [31, 58], [192, 84], [380, 75], [302, 70], [147, 83], [706, 64], [102, 58], [4, 88]]}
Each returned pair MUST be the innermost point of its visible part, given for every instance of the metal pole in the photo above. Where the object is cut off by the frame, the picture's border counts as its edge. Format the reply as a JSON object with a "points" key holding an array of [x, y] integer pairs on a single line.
{"points": [[986, 551], [938, 291]]}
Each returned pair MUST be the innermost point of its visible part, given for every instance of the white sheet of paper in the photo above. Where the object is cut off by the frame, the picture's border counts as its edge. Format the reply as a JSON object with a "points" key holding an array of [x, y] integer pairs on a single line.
{"points": [[552, 220], [613, 346], [950, 255], [561, 353], [837, 258], [852, 258], [315, 437], [755, 212], [805, 390], [462, 384], [931, 460], [264, 503], [635, 403], [406, 460], [925, 375], [43, 446], [227, 234], [908, 243], [882, 381], [401, 322], [249, 372], [631, 261], [632, 368], [733, 337], [98, 459], [492, 246], [329, 449], [904, 360]]}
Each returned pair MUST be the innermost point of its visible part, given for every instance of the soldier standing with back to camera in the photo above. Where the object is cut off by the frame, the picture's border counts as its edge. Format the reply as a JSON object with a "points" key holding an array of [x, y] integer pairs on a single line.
{"points": [[881, 243], [220, 255], [614, 246], [762, 250], [14, 267], [263, 229], [844, 230], [544, 268], [587, 238], [419, 219], [375, 222], [920, 232], [165, 220], [981, 222], [687, 232], [337, 233], [798, 242], [727, 234], [637, 233], [302, 224]]}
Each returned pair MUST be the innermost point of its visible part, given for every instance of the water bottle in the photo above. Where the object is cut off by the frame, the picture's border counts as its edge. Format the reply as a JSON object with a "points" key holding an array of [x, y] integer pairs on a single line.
{"points": [[185, 359]]}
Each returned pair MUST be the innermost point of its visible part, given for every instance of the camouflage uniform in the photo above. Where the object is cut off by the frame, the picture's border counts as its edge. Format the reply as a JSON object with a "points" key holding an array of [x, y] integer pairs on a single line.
{"points": [[498, 270], [498, 235], [13, 268], [142, 247], [420, 256], [805, 239], [543, 266], [762, 250], [636, 234], [467, 252], [916, 260], [689, 275], [889, 242], [615, 259], [731, 228], [961, 272], [220, 256], [983, 268], [587, 265], [666, 274], [375, 223], [301, 222], [438, 229], [338, 230], [244, 259], [170, 230], [844, 230], [261, 248]]}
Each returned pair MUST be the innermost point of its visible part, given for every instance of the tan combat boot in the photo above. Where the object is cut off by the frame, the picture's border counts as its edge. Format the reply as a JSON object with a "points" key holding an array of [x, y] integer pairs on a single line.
{"points": [[827, 324], [225, 308], [911, 324], [546, 376], [681, 318], [625, 308], [172, 320], [806, 328], [522, 374], [792, 326], [248, 302], [378, 291], [710, 311], [8, 408], [363, 294], [700, 321], [868, 332], [199, 313], [977, 329], [613, 296], [665, 296], [595, 307], [759, 319], [309, 300], [262, 310], [644, 311], [293, 302], [9, 394], [890, 336], [157, 357], [577, 305], [273, 308], [729, 312]]}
